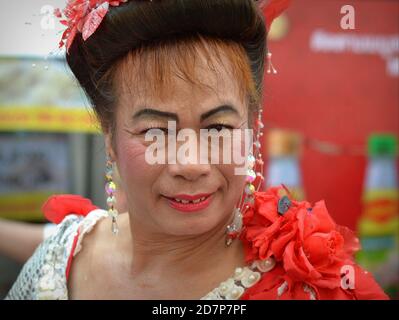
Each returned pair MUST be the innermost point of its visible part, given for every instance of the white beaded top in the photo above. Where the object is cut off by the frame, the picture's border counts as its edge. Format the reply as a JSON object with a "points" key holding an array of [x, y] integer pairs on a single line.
{"points": [[244, 278]]}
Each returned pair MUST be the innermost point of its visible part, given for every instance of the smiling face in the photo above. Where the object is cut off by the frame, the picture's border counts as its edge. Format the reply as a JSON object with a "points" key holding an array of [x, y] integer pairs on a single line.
{"points": [[178, 199]]}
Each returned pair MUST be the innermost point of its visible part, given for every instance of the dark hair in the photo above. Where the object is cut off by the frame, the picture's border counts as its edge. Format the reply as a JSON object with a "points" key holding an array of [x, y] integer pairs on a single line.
{"points": [[140, 23]]}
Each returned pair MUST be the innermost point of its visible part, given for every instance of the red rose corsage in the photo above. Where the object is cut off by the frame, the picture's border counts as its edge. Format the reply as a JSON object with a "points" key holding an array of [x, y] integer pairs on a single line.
{"points": [[305, 240]]}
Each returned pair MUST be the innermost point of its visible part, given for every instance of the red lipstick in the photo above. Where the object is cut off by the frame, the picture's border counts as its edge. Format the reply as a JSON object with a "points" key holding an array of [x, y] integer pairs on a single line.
{"points": [[190, 203]]}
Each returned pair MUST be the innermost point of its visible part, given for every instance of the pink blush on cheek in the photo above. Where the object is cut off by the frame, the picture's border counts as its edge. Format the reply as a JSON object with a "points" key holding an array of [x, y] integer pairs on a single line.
{"points": [[131, 158]]}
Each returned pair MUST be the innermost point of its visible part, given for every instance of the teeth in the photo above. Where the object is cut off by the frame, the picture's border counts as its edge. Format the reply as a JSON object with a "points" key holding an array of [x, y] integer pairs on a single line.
{"points": [[188, 201]]}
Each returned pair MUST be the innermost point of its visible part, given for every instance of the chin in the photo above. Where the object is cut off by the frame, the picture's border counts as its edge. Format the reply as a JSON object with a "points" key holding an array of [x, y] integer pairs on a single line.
{"points": [[193, 224]]}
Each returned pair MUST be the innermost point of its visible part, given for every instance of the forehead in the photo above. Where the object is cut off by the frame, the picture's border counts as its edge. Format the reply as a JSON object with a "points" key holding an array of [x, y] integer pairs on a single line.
{"points": [[181, 74]]}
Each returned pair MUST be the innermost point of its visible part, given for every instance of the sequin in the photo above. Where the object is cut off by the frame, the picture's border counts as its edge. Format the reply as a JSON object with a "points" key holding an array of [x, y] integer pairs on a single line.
{"points": [[249, 189], [110, 187], [251, 176], [283, 205], [111, 201], [251, 161]]}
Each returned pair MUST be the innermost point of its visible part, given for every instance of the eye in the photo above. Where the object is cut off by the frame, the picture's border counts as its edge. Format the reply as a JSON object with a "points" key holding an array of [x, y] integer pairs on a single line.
{"points": [[165, 130], [219, 127]]}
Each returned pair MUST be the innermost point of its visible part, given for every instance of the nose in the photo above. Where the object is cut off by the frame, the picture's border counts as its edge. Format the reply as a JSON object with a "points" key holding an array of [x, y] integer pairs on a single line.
{"points": [[189, 166], [190, 172]]}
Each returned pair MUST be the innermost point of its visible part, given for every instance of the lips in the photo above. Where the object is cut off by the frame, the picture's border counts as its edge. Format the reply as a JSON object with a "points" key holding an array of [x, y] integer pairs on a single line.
{"points": [[190, 203]]}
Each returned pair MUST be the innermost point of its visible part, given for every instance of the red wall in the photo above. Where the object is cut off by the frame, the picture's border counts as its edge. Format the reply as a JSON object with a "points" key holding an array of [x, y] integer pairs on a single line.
{"points": [[338, 97]]}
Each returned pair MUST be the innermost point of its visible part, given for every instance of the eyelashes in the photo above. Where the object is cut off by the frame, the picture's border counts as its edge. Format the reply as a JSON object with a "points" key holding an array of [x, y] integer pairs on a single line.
{"points": [[165, 130], [220, 127], [217, 126]]}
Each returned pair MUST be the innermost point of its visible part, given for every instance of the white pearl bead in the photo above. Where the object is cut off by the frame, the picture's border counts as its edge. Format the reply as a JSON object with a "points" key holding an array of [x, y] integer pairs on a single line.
{"points": [[267, 263], [238, 271]]}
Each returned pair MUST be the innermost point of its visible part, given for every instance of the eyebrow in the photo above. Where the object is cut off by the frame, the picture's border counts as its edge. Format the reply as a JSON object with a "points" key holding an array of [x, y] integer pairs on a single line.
{"points": [[157, 113], [223, 108], [170, 115]]}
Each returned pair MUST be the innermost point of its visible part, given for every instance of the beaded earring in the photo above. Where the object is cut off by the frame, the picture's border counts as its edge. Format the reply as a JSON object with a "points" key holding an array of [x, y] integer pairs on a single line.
{"points": [[110, 188], [254, 171]]}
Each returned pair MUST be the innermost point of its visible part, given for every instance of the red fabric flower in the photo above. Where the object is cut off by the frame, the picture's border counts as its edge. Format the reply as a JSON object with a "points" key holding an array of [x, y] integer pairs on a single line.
{"points": [[82, 16], [305, 242], [58, 206]]}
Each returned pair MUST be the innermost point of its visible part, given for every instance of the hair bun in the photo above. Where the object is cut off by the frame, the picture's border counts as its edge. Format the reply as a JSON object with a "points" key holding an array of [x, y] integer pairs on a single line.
{"points": [[138, 23]]}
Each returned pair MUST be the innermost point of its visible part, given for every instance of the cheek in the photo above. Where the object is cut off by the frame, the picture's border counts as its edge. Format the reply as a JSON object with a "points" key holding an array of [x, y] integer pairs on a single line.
{"points": [[134, 169], [238, 181], [235, 182]]}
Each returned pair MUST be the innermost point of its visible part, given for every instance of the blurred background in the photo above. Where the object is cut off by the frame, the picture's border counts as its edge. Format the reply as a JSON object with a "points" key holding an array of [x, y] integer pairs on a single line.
{"points": [[331, 117]]}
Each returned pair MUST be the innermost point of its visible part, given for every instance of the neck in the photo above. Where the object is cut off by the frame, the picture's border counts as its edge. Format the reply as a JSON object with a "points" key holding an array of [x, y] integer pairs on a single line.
{"points": [[183, 255]]}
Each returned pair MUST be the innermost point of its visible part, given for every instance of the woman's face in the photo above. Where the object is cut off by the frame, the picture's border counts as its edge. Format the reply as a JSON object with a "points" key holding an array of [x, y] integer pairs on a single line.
{"points": [[157, 193]]}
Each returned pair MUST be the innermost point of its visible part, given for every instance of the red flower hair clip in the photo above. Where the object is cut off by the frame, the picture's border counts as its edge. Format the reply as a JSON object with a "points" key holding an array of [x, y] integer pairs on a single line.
{"points": [[82, 16], [85, 16], [272, 9]]}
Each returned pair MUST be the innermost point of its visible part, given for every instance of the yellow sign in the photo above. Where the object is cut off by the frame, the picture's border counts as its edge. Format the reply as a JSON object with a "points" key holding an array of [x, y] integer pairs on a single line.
{"points": [[23, 206], [48, 119]]}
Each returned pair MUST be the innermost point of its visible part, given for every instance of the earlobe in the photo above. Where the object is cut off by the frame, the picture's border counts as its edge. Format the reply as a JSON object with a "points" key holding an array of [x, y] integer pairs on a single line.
{"points": [[109, 146]]}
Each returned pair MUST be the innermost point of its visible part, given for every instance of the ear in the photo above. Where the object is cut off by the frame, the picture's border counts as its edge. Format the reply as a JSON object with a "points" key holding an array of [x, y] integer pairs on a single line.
{"points": [[109, 146]]}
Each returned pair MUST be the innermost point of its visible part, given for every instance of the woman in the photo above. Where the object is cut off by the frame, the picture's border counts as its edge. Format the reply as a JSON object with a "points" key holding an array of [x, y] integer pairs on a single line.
{"points": [[193, 229]]}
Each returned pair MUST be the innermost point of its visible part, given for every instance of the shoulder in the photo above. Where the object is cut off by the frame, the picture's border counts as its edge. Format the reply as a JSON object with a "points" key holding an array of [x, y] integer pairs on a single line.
{"points": [[314, 256], [97, 251], [44, 275]]}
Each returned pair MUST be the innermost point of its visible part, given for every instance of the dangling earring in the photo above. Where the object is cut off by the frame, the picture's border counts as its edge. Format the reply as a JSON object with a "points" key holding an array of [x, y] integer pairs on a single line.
{"points": [[110, 189], [234, 229], [269, 64], [254, 170]]}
